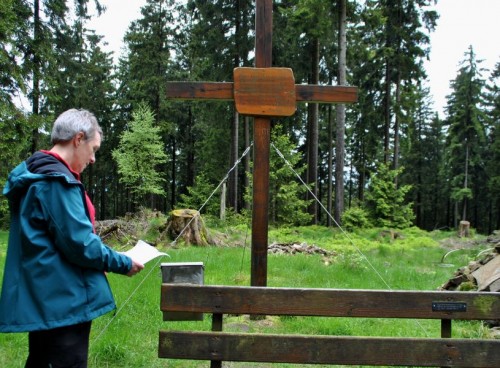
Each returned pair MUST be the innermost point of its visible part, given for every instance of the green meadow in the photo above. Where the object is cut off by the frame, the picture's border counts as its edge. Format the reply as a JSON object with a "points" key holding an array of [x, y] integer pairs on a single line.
{"points": [[414, 260]]}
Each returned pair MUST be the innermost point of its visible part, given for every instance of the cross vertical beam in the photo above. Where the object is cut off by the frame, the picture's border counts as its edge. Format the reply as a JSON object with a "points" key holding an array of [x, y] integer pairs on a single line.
{"points": [[262, 134]]}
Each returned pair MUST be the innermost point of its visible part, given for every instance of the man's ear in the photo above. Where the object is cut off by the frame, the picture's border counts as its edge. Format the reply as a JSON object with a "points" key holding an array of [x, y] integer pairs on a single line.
{"points": [[78, 138]]}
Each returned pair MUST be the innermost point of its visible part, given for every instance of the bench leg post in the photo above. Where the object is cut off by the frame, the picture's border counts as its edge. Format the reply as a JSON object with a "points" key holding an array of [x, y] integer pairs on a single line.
{"points": [[446, 328], [216, 326]]}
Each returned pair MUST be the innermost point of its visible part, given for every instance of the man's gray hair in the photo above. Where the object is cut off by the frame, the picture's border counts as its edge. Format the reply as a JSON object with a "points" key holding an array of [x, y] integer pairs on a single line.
{"points": [[72, 122]]}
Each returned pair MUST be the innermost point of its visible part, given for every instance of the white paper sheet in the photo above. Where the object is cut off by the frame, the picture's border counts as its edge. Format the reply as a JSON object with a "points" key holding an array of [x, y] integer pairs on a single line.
{"points": [[143, 252]]}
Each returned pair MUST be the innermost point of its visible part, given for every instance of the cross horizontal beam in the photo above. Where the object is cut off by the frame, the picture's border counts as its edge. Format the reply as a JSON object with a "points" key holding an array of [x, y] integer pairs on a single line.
{"points": [[224, 91]]}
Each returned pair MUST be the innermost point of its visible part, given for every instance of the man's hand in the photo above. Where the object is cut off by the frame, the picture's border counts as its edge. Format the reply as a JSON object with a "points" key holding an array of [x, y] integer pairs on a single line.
{"points": [[136, 268]]}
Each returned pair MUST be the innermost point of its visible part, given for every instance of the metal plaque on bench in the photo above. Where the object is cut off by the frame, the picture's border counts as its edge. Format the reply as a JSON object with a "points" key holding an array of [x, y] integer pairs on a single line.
{"points": [[182, 273]]}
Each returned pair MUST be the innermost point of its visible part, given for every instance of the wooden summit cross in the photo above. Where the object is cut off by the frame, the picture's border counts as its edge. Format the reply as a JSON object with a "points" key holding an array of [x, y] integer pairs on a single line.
{"points": [[262, 92]]}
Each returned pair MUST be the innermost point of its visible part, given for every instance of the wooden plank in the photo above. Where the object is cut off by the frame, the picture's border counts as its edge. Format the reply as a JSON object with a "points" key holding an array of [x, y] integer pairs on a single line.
{"points": [[326, 94], [200, 90], [302, 349], [331, 302], [264, 91], [223, 91]]}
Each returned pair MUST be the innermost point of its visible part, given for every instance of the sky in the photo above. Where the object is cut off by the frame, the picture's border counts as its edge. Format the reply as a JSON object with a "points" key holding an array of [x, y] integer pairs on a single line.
{"points": [[462, 23]]}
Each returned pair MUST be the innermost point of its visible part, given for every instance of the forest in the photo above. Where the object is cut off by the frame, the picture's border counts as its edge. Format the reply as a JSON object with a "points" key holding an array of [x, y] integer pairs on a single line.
{"points": [[387, 160]]}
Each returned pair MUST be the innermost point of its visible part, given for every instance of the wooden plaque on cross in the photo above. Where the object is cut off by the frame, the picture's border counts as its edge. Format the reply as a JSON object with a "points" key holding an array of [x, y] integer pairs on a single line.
{"points": [[262, 92]]}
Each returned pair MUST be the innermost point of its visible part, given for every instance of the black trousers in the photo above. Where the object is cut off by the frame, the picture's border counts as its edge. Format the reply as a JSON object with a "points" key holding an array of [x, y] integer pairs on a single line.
{"points": [[66, 347]]}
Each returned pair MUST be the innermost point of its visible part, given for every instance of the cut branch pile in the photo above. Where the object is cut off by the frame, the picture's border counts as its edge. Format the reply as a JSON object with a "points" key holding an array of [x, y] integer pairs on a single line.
{"points": [[127, 230], [120, 230], [294, 248], [185, 224]]}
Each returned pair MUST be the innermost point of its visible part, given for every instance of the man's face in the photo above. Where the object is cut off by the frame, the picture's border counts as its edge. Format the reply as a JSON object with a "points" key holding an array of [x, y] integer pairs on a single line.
{"points": [[85, 151]]}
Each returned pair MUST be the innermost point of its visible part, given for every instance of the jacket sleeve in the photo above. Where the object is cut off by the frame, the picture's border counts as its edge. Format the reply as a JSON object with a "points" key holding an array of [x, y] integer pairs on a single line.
{"points": [[72, 231]]}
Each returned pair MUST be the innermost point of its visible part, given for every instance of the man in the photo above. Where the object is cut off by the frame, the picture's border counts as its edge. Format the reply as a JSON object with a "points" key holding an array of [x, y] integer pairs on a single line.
{"points": [[54, 281]]}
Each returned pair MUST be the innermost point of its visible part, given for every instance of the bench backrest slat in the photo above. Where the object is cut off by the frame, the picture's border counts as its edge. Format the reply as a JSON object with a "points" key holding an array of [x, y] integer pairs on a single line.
{"points": [[330, 302], [219, 346]]}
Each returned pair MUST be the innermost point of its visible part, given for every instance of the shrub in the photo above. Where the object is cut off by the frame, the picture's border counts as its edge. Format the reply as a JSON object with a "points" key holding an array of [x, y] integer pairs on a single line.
{"points": [[355, 218]]}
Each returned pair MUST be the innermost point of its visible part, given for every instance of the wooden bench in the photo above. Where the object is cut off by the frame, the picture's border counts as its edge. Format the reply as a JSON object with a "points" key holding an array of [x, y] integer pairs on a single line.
{"points": [[218, 346]]}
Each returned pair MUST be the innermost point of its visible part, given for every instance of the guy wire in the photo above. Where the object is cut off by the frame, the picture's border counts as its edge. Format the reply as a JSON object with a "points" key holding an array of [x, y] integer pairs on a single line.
{"points": [[340, 227], [329, 215], [172, 243], [204, 204], [215, 190], [118, 310]]}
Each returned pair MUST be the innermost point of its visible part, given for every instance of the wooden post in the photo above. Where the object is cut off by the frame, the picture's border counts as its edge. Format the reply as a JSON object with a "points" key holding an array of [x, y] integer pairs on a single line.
{"points": [[216, 326], [261, 136]]}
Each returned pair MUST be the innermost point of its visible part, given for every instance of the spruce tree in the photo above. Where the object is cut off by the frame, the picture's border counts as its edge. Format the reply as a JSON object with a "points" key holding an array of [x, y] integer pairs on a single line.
{"points": [[287, 205], [466, 135], [386, 201], [139, 155], [493, 164]]}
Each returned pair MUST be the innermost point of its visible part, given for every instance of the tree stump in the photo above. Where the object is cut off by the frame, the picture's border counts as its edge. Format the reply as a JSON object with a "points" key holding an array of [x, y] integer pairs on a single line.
{"points": [[188, 225], [464, 228]]}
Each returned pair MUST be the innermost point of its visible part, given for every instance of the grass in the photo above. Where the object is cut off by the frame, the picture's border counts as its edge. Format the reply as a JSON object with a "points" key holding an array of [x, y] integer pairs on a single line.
{"points": [[366, 260]]}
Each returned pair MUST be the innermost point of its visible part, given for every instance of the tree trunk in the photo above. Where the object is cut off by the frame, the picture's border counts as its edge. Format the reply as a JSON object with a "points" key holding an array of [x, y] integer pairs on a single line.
{"points": [[464, 207], [222, 212], [173, 173], [246, 160], [35, 99], [387, 107], [362, 174], [190, 151], [189, 225], [313, 135], [330, 167], [464, 230], [389, 34], [233, 176], [396, 125], [103, 206], [340, 135]]}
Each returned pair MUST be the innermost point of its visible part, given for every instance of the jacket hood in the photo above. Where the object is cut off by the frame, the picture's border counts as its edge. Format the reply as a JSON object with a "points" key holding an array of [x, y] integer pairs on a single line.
{"points": [[43, 163], [40, 166]]}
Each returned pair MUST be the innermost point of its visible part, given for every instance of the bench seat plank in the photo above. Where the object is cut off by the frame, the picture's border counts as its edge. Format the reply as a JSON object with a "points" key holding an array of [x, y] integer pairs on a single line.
{"points": [[330, 302], [303, 349]]}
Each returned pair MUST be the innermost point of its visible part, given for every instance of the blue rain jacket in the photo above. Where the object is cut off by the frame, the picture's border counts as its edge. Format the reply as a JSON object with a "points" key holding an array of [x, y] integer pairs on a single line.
{"points": [[55, 267]]}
